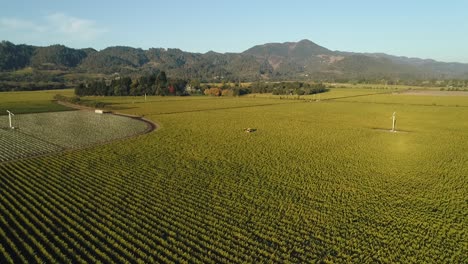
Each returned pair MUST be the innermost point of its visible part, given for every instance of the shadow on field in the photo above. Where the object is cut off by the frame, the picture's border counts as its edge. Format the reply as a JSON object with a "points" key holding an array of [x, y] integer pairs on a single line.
{"points": [[390, 130]]}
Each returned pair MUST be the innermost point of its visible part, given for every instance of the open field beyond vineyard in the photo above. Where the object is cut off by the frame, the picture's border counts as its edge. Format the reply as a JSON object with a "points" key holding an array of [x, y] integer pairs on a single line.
{"points": [[316, 182], [30, 102]]}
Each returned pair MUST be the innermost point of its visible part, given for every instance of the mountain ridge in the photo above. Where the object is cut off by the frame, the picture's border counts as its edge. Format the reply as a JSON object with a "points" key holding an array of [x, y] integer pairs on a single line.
{"points": [[299, 60]]}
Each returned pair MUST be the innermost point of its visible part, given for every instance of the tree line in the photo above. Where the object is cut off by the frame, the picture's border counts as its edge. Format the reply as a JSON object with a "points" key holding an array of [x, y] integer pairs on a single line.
{"points": [[29, 86], [286, 88], [160, 85], [125, 86]]}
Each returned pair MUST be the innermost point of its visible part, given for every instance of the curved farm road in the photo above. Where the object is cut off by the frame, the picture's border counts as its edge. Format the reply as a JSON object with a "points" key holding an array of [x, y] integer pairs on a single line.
{"points": [[151, 125]]}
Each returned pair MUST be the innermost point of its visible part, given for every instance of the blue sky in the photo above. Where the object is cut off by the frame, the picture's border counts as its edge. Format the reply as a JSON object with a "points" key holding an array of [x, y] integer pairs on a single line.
{"points": [[425, 29]]}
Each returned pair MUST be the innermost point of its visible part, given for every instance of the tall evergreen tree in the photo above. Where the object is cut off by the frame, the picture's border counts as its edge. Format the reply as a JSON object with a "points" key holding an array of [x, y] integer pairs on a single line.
{"points": [[161, 87]]}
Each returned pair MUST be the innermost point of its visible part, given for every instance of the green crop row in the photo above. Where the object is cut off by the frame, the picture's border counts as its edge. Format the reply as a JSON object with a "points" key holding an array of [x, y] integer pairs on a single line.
{"points": [[42, 133], [321, 182]]}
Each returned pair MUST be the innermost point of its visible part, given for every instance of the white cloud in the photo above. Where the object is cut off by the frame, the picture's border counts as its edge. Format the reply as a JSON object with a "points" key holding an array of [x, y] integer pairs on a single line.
{"points": [[53, 28], [73, 27]]}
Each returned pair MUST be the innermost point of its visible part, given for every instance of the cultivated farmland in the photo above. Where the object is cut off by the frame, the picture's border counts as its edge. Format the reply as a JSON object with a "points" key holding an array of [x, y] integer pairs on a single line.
{"points": [[317, 182], [41, 133], [30, 102]]}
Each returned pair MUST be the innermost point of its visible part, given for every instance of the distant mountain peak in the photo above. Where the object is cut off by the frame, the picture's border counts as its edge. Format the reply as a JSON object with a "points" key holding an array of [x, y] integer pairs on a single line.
{"points": [[289, 54], [307, 42], [302, 48]]}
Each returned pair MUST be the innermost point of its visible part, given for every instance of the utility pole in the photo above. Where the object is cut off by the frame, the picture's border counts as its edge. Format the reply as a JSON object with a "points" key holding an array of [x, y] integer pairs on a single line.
{"points": [[393, 122], [10, 114]]}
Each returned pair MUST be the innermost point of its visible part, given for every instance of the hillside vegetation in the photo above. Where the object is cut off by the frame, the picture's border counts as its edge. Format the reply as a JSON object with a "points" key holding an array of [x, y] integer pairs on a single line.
{"points": [[303, 60]]}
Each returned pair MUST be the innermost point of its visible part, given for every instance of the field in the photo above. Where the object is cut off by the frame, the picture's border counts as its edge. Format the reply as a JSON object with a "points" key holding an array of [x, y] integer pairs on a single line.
{"points": [[333, 93], [317, 182], [31, 102], [42, 133], [398, 99]]}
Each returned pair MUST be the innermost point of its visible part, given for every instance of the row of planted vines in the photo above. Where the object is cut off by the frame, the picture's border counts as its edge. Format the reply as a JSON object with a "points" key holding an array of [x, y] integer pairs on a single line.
{"points": [[43, 133], [315, 182]]}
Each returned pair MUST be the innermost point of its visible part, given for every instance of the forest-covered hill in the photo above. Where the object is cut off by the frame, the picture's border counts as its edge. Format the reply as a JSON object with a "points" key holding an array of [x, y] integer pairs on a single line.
{"points": [[303, 60]]}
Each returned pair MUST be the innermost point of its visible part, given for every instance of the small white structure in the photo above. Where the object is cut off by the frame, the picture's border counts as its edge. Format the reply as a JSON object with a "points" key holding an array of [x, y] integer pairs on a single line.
{"points": [[10, 114], [100, 111]]}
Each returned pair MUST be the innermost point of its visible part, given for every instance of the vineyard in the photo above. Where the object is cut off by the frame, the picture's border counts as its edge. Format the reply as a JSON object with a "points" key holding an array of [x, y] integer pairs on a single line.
{"points": [[43, 133], [317, 182]]}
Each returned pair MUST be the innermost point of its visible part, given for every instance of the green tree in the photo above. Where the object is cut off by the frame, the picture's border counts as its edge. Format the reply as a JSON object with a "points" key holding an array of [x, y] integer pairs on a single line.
{"points": [[134, 88], [80, 89], [161, 84], [101, 87], [195, 86]]}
